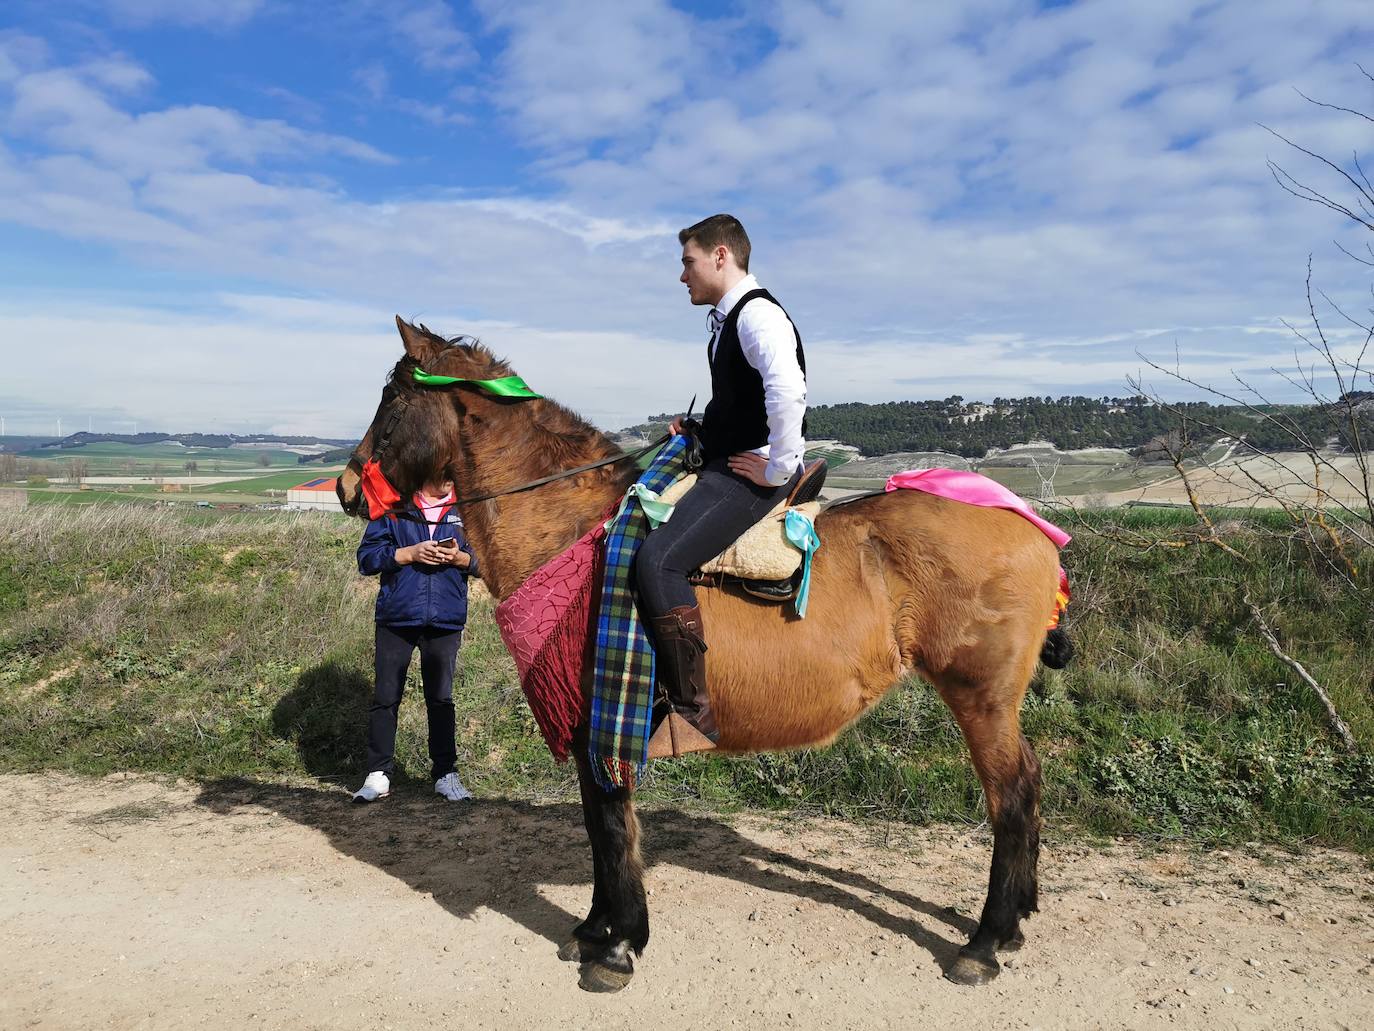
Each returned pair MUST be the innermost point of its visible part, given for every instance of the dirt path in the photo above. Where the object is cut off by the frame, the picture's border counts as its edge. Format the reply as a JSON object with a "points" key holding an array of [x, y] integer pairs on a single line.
{"points": [[135, 903]]}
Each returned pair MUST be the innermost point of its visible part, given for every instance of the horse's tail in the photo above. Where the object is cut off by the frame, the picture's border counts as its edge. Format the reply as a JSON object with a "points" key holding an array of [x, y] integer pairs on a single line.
{"points": [[1057, 650]]}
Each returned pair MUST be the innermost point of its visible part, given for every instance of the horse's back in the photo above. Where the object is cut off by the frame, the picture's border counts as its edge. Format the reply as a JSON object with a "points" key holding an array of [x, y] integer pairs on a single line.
{"points": [[898, 578], [962, 541]]}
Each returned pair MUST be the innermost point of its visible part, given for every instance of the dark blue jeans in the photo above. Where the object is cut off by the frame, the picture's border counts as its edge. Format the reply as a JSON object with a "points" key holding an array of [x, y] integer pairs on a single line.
{"points": [[709, 518], [438, 658]]}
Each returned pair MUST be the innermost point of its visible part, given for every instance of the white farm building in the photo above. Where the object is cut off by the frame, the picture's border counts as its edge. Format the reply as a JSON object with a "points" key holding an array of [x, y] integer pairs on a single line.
{"points": [[317, 495]]}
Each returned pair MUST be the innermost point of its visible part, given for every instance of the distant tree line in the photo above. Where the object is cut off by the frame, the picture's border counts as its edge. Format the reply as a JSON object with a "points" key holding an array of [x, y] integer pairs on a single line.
{"points": [[339, 454], [970, 429], [189, 439]]}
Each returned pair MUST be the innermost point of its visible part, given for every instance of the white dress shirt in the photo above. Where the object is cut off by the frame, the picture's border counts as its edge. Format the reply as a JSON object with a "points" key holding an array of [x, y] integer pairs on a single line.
{"points": [[770, 345], [767, 339]]}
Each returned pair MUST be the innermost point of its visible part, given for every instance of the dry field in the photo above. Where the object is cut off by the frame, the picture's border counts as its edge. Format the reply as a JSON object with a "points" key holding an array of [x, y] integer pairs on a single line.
{"points": [[1260, 480]]}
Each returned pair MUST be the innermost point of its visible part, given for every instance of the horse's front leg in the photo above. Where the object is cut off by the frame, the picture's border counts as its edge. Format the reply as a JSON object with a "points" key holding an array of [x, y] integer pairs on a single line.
{"points": [[617, 928], [592, 935]]}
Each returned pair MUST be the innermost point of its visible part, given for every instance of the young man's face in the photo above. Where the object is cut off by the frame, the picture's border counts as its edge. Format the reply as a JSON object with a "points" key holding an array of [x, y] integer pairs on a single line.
{"points": [[704, 272]]}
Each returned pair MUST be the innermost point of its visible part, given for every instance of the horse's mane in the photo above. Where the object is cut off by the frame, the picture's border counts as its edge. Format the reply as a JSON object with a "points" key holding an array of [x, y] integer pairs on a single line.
{"points": [[560, 433]]}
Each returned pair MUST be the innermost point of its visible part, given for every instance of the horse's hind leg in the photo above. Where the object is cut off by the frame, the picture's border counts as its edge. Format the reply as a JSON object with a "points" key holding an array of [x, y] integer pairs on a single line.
{"points": [[617, 928], [1010, 773]]}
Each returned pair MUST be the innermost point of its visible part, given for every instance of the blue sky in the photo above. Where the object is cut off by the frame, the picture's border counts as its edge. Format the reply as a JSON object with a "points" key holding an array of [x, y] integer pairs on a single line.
{"points": [[210, 209]]}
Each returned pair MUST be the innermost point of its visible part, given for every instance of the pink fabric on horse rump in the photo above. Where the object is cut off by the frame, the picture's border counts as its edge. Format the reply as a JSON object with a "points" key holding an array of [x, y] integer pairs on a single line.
{"points": [[974, 489], [544, 625]]}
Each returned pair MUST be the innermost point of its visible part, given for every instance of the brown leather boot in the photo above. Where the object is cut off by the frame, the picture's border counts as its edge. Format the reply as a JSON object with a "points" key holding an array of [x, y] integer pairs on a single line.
{"points": [[680, 653]]}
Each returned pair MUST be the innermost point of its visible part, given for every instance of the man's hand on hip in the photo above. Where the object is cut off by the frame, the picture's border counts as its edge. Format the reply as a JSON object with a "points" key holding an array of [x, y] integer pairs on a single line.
{"points": [[751, 467]]}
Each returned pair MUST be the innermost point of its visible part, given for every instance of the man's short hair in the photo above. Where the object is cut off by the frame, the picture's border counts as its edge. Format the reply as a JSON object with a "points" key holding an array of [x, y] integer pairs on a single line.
{"points": [[712, 232]]}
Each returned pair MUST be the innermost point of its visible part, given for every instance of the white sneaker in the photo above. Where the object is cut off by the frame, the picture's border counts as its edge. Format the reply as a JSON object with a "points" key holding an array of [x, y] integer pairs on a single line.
{"points": [[377, 785], [451, 788]]}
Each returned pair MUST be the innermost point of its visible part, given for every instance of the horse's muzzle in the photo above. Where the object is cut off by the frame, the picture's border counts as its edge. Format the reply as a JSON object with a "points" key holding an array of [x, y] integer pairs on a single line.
{"points": [[349, 489]]}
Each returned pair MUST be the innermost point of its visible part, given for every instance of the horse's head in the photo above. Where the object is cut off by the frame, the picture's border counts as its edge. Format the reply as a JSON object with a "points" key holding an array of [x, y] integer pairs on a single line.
{"points": [[415, 434]]}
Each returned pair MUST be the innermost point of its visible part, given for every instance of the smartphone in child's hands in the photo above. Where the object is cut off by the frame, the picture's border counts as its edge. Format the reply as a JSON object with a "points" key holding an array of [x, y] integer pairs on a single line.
{"points": [[448, 544]]}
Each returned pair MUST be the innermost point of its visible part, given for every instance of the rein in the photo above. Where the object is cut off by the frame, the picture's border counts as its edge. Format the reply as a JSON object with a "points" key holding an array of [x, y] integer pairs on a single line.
{"points": [[626, 457]]}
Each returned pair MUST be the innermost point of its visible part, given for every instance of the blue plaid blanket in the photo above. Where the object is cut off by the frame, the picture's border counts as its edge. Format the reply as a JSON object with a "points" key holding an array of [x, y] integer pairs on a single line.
{"points": [[623, 671]]}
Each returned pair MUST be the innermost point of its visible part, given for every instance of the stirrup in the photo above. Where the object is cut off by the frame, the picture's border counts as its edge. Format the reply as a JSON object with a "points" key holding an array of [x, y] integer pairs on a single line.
{"points": [[676, 737]]}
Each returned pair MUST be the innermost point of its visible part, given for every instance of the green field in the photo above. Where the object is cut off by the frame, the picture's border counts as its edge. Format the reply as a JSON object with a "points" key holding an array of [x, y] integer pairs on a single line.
{"points": [[250, 476], [270, 487], [115, 459], [274, 481]]}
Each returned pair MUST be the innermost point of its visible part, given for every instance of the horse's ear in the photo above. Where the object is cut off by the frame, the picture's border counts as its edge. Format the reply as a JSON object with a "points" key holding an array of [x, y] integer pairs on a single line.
{"points": [[418, 345]]}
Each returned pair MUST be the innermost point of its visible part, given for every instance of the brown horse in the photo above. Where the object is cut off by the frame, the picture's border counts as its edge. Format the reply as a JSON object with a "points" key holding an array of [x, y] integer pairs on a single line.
{"points": [[905, 582]]}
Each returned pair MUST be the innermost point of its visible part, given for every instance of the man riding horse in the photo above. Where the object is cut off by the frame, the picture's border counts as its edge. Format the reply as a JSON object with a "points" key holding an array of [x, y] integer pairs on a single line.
{"points": [[954, 586], [752, 442]]}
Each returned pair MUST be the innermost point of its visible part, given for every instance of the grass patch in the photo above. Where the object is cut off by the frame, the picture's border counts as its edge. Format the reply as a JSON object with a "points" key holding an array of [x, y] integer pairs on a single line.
{"points": [[274, 481], [209, 645]]}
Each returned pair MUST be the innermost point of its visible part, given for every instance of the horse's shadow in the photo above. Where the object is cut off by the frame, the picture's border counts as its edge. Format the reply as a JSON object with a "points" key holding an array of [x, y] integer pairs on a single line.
{"points": [[497, 853]]}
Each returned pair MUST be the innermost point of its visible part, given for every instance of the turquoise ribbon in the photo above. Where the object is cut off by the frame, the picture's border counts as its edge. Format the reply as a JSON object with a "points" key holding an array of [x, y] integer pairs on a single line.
{"points": [[802, 533], [656, 510]]}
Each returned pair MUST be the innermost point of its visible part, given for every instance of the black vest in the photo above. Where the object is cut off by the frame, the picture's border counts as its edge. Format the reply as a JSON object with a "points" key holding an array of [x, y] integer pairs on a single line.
{"points": [[736, 419]]}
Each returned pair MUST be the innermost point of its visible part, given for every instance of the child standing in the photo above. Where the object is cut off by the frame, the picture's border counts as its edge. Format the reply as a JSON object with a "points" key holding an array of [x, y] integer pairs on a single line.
{"points": [[424, 562]]}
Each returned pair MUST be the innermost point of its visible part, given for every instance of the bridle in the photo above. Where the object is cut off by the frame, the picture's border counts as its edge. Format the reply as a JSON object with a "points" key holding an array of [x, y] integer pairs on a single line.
{"points": [[400, 405]]}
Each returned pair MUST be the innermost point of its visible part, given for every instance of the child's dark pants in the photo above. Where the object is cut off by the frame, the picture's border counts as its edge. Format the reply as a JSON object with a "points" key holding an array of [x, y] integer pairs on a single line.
{"points": [[438, 657]]}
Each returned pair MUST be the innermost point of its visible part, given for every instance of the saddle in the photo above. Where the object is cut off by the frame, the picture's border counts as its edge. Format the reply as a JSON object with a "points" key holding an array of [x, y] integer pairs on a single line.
{"points": [[762, 562]]}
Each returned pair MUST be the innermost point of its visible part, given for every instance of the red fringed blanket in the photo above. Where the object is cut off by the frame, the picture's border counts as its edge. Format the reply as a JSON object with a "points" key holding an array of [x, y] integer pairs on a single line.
{"points": [[545, 626]]}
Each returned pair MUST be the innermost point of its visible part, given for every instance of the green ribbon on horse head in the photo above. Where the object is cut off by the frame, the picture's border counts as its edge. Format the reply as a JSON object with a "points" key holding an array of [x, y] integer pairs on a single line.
{"points": [[506, 386]]}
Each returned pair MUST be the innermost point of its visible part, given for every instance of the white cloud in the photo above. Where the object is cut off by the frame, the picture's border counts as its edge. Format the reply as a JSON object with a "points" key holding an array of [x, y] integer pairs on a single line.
{"points": [[573, 73], [71, 111], [374, 80], [19, 54], [304, 366], [430, 31], [565, 218]]}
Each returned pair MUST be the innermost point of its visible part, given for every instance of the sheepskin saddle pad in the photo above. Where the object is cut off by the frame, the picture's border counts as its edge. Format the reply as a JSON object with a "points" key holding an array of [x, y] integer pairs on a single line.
{"points": [[762, 557]]}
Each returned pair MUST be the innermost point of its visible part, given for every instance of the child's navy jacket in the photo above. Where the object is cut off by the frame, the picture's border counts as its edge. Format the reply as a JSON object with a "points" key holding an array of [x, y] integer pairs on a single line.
{"points": [[416, 595]]}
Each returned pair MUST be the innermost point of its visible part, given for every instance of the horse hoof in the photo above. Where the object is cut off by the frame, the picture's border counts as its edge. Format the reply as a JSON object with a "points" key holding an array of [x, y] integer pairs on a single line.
{"points": [[597, 977], [1013, 944], [571, 951], [973, 970]]}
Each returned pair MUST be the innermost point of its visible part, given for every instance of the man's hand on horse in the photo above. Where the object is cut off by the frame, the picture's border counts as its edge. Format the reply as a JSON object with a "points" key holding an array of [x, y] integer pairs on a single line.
{"points": [[751, 467]]}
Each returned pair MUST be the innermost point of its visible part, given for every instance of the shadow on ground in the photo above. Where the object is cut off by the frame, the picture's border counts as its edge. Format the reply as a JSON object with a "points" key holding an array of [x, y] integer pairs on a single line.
{"points": [[497, 853], [325, 717]]}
